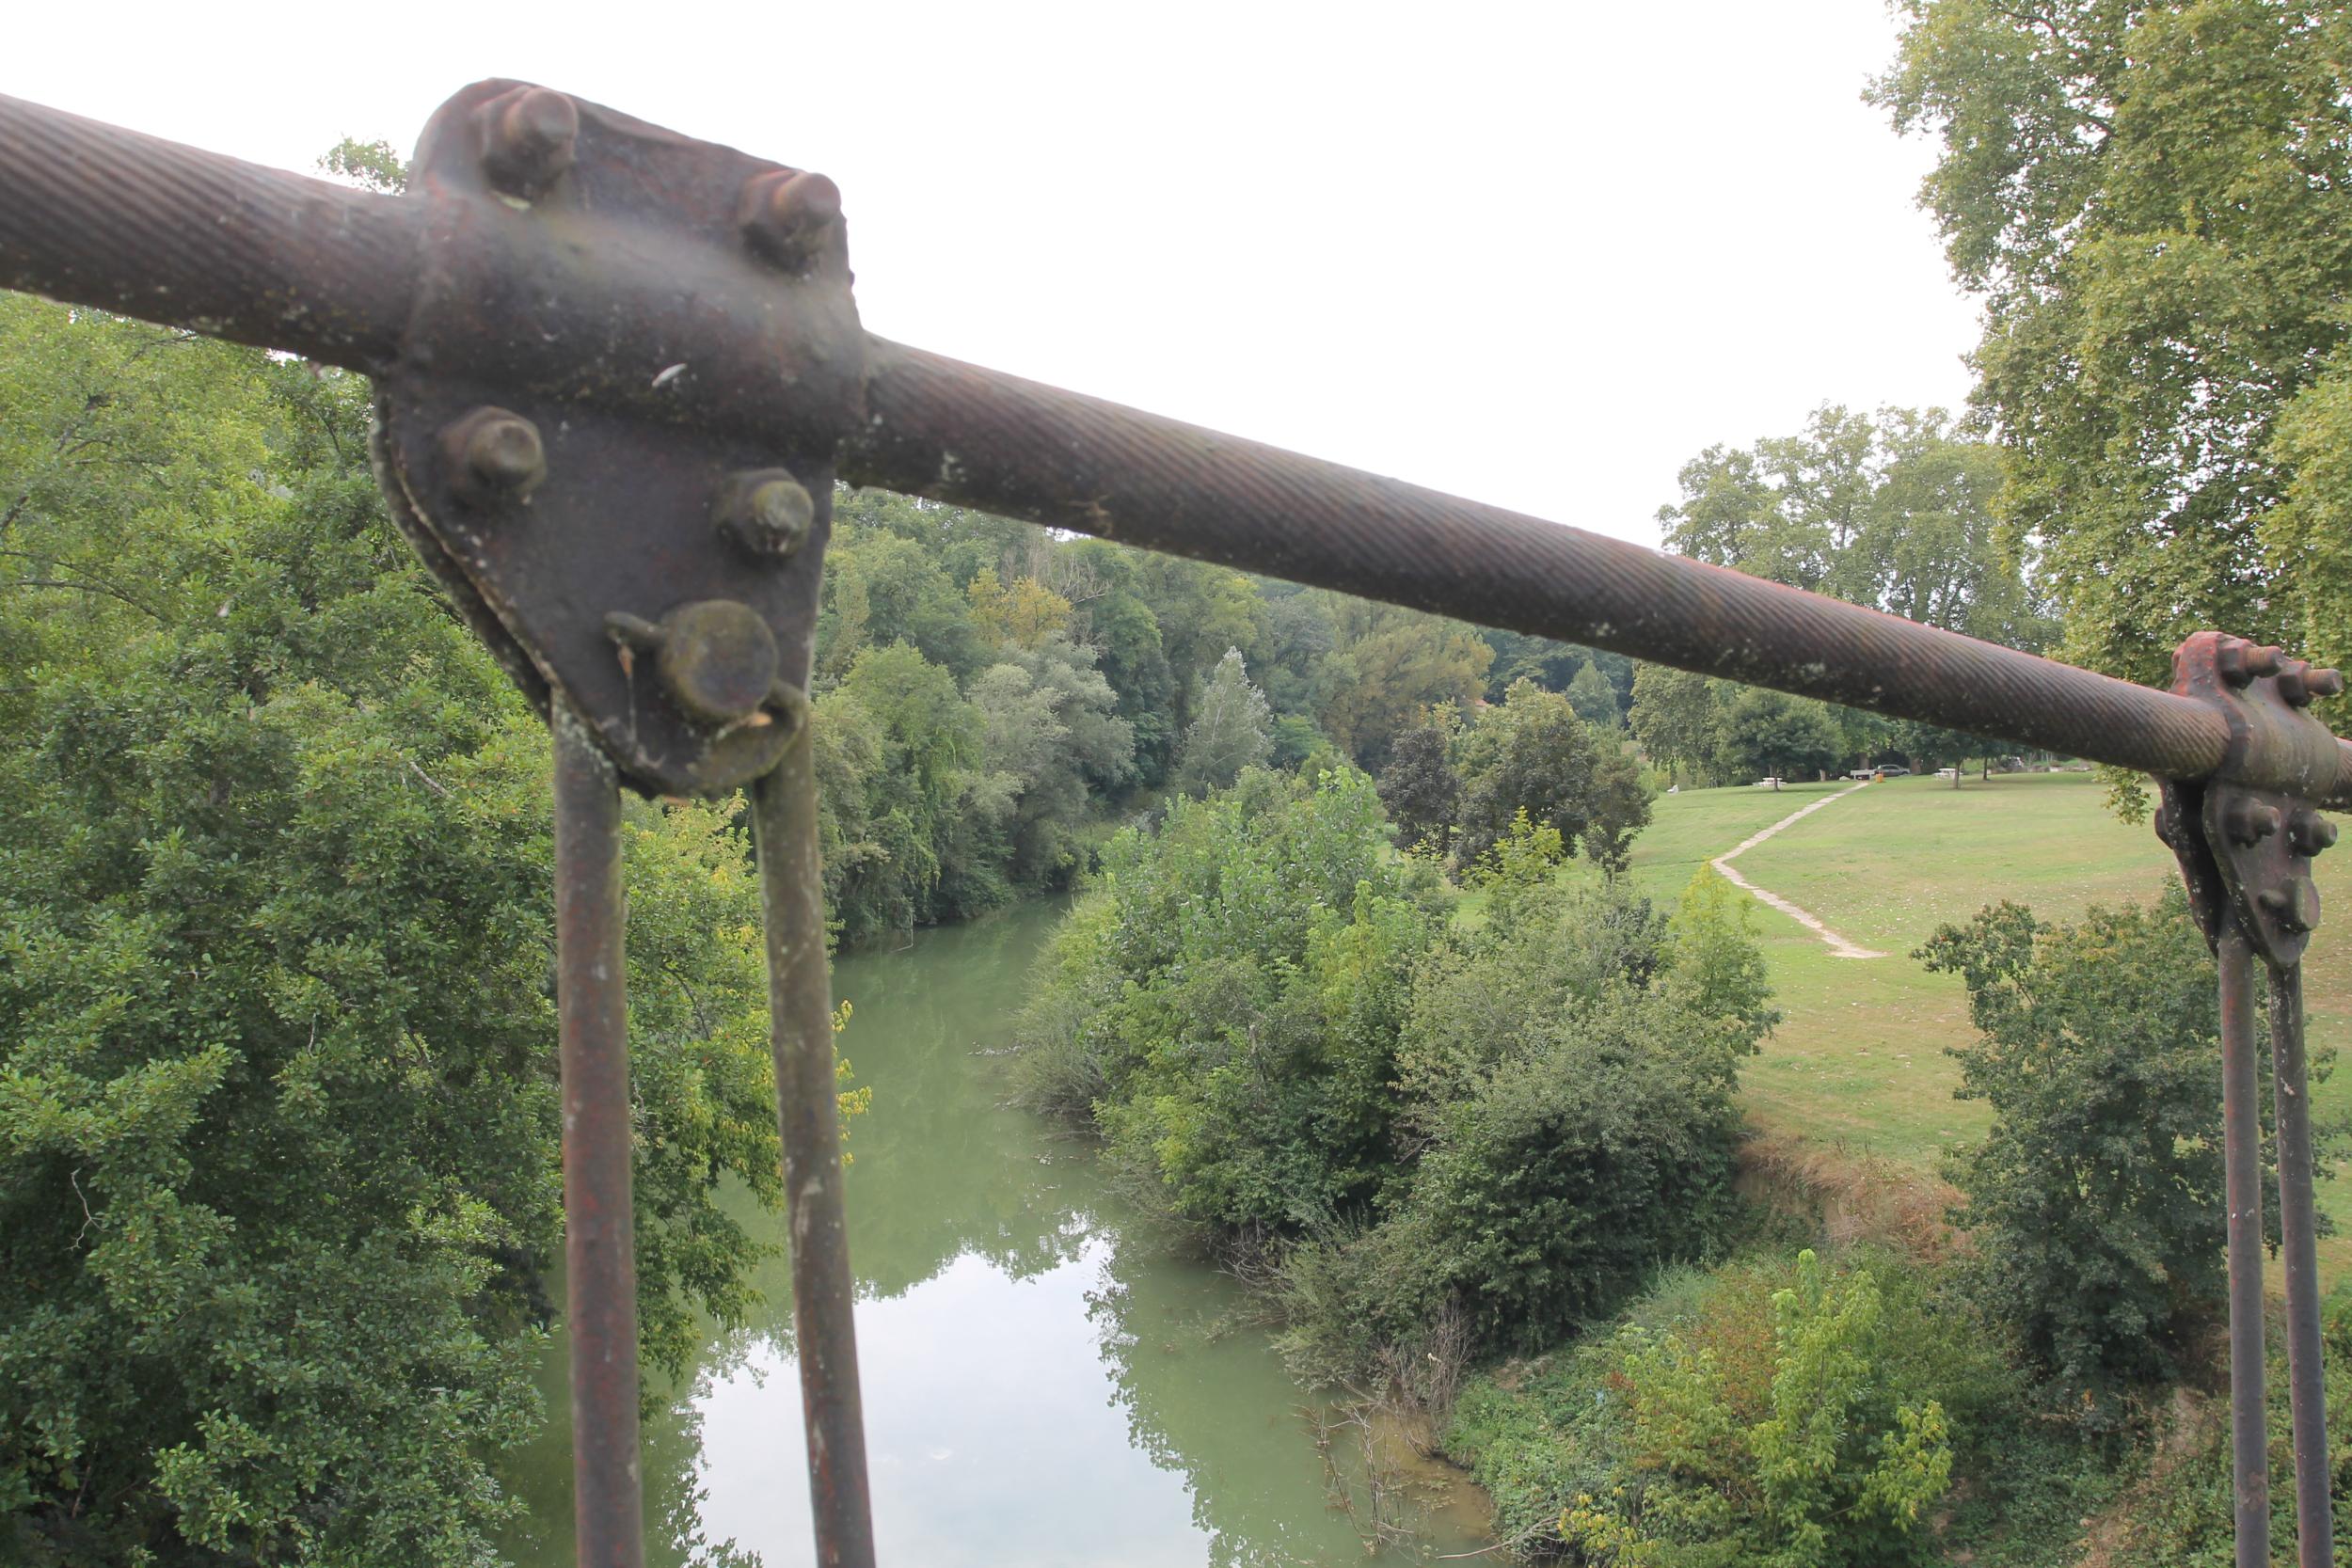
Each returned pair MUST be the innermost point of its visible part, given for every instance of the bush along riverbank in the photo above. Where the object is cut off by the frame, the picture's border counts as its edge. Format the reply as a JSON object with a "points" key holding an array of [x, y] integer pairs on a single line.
{"points": [[1477, 1145]]}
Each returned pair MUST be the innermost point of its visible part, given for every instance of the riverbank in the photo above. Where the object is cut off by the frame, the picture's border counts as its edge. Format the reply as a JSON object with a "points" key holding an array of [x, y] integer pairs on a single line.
{"points": [[1048, 1380]]}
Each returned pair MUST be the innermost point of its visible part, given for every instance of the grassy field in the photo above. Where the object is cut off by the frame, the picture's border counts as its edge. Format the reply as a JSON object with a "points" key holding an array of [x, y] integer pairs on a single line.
{"points": [[1860, 1057]]}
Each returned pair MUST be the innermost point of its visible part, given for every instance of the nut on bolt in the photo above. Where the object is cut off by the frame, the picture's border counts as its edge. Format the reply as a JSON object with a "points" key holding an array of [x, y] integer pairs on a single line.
{"points": [[2243, 663], [789, 216], [766, 512], [716, 657], [493, 455], [530, 135], [2249, 821], [2310, 832]]}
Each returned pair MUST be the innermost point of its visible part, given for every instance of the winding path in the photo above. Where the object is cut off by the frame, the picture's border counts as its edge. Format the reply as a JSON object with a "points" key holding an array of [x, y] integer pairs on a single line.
{"points": [[1838, 946]]}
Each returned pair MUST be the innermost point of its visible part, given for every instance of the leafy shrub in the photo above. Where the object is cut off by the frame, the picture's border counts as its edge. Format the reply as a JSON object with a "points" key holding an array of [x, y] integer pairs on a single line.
{"points": [[2097, 1197], [1795, 1412]]}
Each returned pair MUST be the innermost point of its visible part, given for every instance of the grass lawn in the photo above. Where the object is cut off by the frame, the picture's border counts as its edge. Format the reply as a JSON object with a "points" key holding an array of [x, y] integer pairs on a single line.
{"points": [[1859, 1059]]}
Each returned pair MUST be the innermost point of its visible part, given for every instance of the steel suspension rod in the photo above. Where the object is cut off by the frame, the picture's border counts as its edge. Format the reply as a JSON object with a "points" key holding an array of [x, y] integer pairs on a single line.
{"points": [[824, 1288], [2297, 1233], [599, 1217], [100, 216], [2241, 1129]]}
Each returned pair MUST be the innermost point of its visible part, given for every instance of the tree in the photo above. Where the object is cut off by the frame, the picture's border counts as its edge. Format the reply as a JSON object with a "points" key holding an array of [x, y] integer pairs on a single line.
{"points": [[1230, 730], [1531, 754], [2096, 1200], [1672, 717], [1386, 666], [1895, 511], [1772, 734], [1593, 699], [1047, 733], [1419, 789], [2152, 203], [279, 1142]]}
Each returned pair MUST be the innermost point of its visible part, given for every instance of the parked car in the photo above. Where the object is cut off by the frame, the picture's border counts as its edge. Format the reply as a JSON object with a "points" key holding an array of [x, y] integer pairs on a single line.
{"points": [[1894, 771]]}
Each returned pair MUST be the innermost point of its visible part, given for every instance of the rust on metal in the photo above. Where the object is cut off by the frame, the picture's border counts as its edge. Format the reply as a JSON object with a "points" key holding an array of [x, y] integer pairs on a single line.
{"points": [[574, 425], [599, 1218], [616, 369], [824, 1289], [2307, 1395], [2249, 1453]]}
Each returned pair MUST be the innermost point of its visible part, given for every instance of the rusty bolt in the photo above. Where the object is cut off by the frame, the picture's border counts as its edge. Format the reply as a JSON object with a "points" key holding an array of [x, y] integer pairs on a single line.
{"points": [[717, 659], [765, 511], [2325, 683], [532, 133], [2242, 662], [493, 455], [2295, 905], [2249, 821], [2310, 832], [2295, 682], [789, 216]]}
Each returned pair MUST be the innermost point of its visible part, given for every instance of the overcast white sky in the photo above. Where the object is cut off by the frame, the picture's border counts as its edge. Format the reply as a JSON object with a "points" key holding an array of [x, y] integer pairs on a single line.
{"points": [[1537, 254]]}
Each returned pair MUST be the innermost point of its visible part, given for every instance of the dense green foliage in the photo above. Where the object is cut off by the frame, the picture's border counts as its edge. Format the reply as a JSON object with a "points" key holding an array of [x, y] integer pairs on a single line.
{"points": [[2152, 203], [1798, 1412], [988, 695], [1532, 753], [277, 1111], [1480, 1131], [2097, 1199]]}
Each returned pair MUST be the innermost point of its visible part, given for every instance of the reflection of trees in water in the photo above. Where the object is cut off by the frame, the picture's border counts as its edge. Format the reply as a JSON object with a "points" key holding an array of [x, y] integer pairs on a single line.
{"points": [[1189, 1363], [670, 1435], [943, 1169]]}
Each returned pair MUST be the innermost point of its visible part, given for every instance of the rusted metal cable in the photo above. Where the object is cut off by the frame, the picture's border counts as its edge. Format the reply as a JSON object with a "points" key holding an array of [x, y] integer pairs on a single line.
{"points": [[104, 216], [2242, 1168], [599, 1221], [2297, 1233], [958, 433], [824, 1288], [99, 215]]}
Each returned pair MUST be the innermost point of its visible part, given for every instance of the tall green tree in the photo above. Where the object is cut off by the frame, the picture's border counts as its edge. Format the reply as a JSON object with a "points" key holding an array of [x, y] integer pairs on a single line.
{"points": [[1896, 511], [279, 1119], [1772, 734], [2154, 203], [1531, 754], [1672, 717], [1419, 789], [1386, 666], [1231, 729]]}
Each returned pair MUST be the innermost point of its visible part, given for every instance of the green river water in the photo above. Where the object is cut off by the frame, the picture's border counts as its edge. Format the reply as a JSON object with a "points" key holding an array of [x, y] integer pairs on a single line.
{"points": [[1047, 1381]]}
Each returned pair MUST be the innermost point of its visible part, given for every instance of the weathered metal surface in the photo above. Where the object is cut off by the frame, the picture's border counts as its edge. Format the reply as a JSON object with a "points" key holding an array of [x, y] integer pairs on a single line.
{"points": [[2299, 1260], [599, 1219], [981, 439], [2255, 830], [616, 366], [824, 1289], [2249, 1453], [104, 216], [600, 304]]}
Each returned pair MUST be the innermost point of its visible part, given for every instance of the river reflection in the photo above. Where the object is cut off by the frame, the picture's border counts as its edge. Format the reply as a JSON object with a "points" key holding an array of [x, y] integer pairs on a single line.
{"points": [[1046, 1382]]}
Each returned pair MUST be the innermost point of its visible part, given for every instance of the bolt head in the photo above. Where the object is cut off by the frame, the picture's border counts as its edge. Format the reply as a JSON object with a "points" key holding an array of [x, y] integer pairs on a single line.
{"points": [[533, 135], [2250, 821], [717, 661], [494, 457], [2295, 682], [790, 218], [2293, 906], [2312, 833], [765, 512]]}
